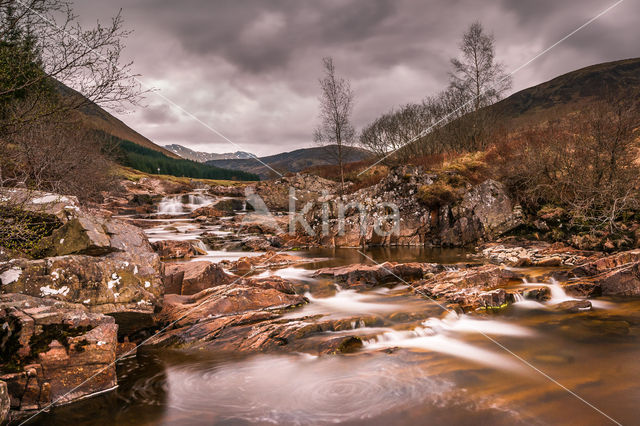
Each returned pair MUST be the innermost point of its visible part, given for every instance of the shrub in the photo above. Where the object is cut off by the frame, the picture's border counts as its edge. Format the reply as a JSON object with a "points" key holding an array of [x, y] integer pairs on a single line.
{"points": [[437, 194], [25, 232]]}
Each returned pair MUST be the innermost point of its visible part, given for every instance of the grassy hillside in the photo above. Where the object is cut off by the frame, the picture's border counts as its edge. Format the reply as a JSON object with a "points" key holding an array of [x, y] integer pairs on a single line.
{"points": [[569, 93]]}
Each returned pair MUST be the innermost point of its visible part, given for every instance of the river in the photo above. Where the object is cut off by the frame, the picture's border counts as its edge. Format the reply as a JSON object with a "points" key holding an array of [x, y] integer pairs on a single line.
{"points": [[524, 364]]}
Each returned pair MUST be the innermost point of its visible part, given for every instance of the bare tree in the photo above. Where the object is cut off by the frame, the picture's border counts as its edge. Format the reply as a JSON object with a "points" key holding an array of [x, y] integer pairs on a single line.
{"points": [[477, 73], [476, 81], [336, 104], [42, 43]]}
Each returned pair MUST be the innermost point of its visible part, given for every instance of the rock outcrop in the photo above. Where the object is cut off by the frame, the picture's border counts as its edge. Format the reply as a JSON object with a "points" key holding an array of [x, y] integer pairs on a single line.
{"points": [[105, 264], [482, 212]]}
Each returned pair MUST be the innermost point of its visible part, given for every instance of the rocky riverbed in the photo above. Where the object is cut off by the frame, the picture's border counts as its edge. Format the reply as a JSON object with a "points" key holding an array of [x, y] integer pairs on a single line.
{"points": [[194, 310]]}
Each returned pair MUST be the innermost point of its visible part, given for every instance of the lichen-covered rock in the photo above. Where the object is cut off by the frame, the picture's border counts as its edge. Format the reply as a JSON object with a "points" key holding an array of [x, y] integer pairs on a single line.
{"points": [[53, 351], [82, 235], [109, 284], [535, 253], [481, 212], [270, 259], [64, 207]]}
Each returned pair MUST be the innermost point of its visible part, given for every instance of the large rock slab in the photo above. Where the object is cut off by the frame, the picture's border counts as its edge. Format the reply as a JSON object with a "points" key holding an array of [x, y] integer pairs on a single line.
{"points": [[54, 352], [242, 296]]}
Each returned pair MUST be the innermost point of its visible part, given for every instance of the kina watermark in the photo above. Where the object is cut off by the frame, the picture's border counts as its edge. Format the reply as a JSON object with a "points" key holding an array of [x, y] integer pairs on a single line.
{"points": [[325, 215]]}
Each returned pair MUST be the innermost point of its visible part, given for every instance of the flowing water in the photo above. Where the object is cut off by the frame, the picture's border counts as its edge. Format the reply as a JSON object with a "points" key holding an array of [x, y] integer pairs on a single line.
{"points": [[424, 366]]}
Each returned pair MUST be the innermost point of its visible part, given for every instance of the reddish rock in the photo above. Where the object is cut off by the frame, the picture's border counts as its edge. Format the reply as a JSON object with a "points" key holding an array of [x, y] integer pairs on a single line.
{"points": [[607, 263], [208, 212], [176, 249], [66, 347], [471, 288], [192, 277], [242, 296]]}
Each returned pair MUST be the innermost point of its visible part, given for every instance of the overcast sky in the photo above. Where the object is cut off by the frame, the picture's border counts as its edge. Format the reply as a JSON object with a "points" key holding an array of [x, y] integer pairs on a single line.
{"points": [[250, 68]]}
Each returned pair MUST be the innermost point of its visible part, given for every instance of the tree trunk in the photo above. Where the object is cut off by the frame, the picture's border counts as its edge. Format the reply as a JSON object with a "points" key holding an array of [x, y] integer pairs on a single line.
{"points": [[341, 168]]}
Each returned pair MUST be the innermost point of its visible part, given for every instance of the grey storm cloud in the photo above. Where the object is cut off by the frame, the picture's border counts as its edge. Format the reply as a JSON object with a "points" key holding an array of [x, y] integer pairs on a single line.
{"points": [[250, 68]]}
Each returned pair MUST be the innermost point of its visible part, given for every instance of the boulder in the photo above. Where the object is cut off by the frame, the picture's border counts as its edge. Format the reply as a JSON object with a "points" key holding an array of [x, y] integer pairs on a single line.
{"points": [[179, 249], [270, 259], [52, 348], [64, 207], [208, 212], [82, 235], [192, 277], [229, 205], [492, 206]]}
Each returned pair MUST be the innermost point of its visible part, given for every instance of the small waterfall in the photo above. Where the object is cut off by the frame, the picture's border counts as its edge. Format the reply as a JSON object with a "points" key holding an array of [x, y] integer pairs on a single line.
{"points": [[182, 204], [172, 204], [518, 297]]}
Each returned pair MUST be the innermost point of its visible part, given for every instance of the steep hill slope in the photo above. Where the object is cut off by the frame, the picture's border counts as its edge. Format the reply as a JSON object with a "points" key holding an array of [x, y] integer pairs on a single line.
{"points": [[293, 161], [569, 92], [96, 118]]}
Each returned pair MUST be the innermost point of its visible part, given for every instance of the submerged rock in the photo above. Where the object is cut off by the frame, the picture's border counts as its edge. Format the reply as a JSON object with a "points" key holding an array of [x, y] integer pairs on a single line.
{"points": [[359, 275], [472, 288]]}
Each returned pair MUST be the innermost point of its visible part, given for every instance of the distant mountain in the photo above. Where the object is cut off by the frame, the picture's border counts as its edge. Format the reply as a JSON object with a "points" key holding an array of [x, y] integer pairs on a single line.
{"points": [[203, 157], [294, 161]]}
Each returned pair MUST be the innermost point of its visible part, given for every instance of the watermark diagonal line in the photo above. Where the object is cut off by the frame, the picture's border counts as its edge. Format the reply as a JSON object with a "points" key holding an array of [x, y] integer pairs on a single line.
{"points": [[473, 99], [145, 341], [151, 89], [491, 339]]}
